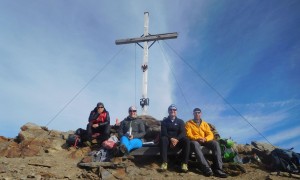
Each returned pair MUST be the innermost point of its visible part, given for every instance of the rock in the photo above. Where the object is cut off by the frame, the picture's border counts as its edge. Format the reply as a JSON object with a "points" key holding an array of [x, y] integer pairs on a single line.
{"points": [[144, 172], [79, 153], [33, 140], [152, 127], [31, 176], [118, 173], [30, 150], [4, 139], [10, 149], [55, 145], [243, 149], [3, 169], [36, 136], [104, 174], [264, 147], [31, 126]]}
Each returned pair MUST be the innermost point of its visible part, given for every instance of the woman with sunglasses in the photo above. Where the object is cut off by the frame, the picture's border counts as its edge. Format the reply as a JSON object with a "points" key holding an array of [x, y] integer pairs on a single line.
{"points": [[99, 124], [131, 132]]}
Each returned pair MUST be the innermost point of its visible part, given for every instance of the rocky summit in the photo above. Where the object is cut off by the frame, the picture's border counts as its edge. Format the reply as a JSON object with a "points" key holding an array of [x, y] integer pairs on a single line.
{"points": [[40, 153]]}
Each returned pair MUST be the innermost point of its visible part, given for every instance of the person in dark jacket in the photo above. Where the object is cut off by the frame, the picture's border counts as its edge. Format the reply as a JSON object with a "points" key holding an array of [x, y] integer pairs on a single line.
{"points": [[131, 131], [99, 124], [173, 135]]}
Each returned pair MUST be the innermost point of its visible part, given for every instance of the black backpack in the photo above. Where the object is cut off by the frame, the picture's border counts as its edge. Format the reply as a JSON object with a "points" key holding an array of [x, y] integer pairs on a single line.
{"points": [[285, 160], [77, 138]]}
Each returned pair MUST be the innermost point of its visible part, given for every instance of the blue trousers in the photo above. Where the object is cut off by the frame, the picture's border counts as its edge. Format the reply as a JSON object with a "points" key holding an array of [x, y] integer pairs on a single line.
{"points": [[134, 143]]}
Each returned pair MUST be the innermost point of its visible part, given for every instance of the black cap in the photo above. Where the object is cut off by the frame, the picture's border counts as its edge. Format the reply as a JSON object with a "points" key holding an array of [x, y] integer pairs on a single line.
{"points": [[172, 106], [100, 104], [197, 110]]}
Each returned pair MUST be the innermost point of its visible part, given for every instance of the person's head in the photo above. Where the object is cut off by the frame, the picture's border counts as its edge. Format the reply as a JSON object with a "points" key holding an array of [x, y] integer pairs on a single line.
{"points": [[197, 113], [100, 107], [132, 111], [172, 110]]}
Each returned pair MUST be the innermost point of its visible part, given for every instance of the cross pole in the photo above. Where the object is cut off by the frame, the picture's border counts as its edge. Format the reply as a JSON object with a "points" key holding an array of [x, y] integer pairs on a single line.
{"points": [[146, 37]]}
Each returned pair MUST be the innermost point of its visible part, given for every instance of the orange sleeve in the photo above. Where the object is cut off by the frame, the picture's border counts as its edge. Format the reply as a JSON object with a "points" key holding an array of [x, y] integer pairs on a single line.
{"points": [[208, 134]]}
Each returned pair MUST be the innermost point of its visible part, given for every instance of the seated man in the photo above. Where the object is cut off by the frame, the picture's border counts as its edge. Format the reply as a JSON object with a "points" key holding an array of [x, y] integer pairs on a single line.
{"points": [[199, 133], [173, 135], [131, 132]]}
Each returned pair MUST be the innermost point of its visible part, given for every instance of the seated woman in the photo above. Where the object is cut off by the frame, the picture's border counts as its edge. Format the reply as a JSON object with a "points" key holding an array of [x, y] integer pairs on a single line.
{"points": [[131, 132], [99, 124]]}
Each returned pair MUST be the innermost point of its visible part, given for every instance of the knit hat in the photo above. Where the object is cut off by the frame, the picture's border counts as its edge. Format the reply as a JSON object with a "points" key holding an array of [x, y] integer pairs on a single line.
{"points": [[132, 108], [172, 106], [197, 110], [100, 104]]}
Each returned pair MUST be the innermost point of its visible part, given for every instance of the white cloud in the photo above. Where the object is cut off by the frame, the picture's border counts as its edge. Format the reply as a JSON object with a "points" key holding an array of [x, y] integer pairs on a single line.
{"points": [[285, 135]]}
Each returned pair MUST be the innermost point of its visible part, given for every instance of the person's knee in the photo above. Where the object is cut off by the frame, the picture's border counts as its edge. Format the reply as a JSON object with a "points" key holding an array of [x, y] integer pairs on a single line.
{"points": [[184, 141], [215, 144], [123, 138], [164, 139], [194, 144]]}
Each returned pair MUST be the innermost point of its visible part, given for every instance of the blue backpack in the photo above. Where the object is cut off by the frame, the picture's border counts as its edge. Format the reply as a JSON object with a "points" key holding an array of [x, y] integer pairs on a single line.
{"points": [[285, 160]]}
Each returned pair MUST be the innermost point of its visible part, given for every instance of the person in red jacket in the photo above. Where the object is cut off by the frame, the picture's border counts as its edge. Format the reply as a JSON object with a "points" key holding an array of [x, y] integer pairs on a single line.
{"points": [[99, 124], [199, 133]]}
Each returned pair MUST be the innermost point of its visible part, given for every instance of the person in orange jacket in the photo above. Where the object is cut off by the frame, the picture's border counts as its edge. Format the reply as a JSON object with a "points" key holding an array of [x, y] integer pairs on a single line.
{"points": [[199, 133]]}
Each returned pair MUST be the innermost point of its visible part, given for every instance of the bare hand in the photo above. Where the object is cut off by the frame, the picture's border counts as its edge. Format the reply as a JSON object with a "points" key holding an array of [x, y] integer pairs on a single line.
{"points": [[201, 140], [130, 137], [173, 142], [95, 125]]}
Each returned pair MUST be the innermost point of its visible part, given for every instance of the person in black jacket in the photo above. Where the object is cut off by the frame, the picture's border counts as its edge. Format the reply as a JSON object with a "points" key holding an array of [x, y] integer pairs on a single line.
{"points": [[173, 135], [99, 124]]}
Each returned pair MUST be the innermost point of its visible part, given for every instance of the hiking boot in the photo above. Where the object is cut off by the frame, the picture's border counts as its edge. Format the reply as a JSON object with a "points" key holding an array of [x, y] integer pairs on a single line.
{"points": [[184, 167], [94, 141], [87, 143], [220, 173], [164, 166], [123, 149], [207, 172]]}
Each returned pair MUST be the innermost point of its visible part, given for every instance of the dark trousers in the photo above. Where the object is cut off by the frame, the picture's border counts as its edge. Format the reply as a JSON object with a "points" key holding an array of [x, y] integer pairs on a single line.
{"points": [[104, 132], [216, 154], [184, 144]]}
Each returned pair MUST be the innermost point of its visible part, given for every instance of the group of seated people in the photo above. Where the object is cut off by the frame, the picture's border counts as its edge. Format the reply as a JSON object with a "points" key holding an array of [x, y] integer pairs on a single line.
{"points": [[189, 136]]}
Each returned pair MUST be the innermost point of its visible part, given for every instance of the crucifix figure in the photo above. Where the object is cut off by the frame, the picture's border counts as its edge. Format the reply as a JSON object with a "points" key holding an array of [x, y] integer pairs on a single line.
{"points": [[146, 37]]}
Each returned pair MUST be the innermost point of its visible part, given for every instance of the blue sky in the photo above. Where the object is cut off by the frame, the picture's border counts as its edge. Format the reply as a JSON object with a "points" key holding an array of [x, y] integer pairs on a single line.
{"points": [[248, 51]]}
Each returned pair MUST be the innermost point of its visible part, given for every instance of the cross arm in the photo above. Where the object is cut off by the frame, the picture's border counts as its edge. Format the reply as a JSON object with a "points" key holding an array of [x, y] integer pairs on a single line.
{"points": [[147, 38]]}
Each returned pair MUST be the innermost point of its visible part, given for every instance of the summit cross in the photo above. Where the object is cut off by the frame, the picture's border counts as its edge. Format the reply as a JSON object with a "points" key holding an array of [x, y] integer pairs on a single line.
{"points": [[146, 38]]}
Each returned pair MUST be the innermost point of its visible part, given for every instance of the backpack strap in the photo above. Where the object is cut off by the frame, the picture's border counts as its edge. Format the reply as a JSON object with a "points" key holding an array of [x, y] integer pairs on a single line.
{"points": [[76, 141]]}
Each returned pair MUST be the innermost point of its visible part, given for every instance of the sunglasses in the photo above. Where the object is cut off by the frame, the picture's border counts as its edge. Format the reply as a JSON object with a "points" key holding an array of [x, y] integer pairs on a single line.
{"points": [[132, 110], [197, 112], [100, 107], [172, 109]]}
